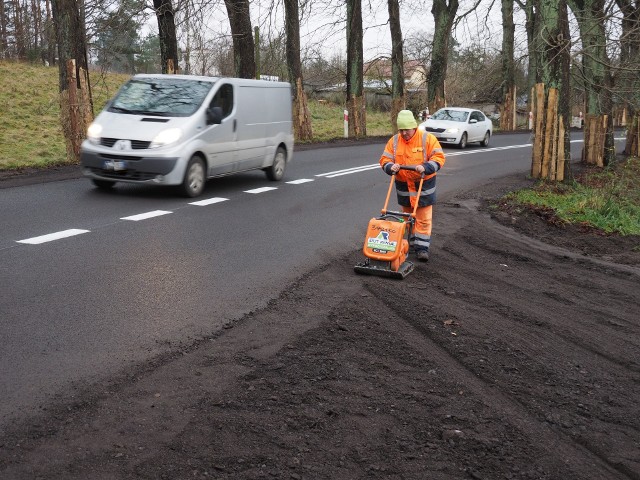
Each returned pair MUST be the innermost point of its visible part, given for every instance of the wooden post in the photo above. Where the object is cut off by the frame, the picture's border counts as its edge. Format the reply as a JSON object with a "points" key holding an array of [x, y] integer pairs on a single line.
{"points": [[552, 118], [561, 157], [538, 142]]}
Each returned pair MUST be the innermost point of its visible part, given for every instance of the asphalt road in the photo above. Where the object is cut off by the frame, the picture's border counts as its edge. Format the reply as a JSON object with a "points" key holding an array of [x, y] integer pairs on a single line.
{"points": [[94, 282]]}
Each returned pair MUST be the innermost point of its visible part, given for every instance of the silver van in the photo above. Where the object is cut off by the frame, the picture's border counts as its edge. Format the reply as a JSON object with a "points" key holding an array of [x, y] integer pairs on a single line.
{"points": [[184, 129]]}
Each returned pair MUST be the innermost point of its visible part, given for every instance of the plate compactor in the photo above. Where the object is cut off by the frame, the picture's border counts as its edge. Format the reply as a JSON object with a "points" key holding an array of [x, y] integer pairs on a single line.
{"points": [[386, 244]]}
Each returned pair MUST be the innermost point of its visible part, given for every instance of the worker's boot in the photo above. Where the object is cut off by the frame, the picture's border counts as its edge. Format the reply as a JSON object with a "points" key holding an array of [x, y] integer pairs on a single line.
{"points": [[422, 255]]}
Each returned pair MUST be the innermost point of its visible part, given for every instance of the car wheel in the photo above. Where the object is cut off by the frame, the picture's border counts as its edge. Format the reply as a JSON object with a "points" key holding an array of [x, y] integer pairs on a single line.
{"points": [[103, 184], [485, 140], [463, 140], [194, 177], [276, 171]]}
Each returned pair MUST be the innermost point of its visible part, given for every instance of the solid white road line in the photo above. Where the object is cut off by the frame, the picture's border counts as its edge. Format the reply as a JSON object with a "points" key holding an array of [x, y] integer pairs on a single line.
{"points": [[144, 216], [208, 201], [53, 236]]}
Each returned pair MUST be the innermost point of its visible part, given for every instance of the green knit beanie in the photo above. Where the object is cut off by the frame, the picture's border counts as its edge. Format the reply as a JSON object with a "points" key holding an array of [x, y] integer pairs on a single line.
{"points": [[406, 120]]}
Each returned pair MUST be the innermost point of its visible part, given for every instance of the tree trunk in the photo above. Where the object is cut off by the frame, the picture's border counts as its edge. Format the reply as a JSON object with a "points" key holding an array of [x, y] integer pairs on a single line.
{"points": [[167, 34], [355, 81], [243, 46], [19, 33], [552, 47], [530, 27], [443, 14], [301, 116], [4, 40], [76, 107], [398, 100], [51, 36], [508, 113], [628, 80], [596, 73]]}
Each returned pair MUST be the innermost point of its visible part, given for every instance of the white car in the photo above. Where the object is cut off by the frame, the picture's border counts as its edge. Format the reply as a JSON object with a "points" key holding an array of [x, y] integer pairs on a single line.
{"points": [[459, 126]]}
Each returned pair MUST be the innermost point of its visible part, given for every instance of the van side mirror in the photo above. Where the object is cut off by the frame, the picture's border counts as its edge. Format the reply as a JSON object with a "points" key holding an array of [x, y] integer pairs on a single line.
{"points": [[214, 115]]}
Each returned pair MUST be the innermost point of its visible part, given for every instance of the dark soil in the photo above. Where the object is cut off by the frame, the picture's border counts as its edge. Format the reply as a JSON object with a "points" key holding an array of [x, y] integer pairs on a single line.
{"points": [[513, 354]]}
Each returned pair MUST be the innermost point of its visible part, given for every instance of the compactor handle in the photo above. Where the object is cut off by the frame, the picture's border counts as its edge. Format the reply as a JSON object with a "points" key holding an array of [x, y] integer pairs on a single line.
{"points": [[386, 202]]}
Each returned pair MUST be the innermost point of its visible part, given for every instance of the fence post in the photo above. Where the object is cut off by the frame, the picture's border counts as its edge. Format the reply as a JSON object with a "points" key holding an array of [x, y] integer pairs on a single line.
{"points": [[346, 124]]}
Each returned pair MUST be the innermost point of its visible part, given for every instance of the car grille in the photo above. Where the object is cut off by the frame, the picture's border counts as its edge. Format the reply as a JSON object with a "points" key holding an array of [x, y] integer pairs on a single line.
{"points": [[436, 130], [127, 174], [135, 144]]}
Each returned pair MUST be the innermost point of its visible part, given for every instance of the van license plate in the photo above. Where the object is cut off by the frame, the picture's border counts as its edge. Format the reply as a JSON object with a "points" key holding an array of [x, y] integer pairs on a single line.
{"points": [[115, 165]]}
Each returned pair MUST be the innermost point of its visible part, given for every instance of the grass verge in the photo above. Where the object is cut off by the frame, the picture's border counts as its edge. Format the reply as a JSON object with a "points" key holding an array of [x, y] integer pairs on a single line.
{"points": [[606, 200]]}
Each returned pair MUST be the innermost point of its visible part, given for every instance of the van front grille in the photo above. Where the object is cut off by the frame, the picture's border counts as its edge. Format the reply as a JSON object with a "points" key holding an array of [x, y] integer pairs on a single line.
{"points": [[135, 144]]}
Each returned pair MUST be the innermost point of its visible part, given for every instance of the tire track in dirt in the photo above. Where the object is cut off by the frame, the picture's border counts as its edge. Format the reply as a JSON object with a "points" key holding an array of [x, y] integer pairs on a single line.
{"points": [[510, 321], [586, 460]]}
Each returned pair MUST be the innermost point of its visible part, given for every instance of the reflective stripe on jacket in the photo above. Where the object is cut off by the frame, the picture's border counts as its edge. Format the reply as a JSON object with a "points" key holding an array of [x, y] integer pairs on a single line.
{"points": [[423, 148]]}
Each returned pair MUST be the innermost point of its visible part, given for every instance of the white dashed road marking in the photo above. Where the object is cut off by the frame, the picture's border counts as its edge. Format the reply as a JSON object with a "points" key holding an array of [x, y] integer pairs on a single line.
{"points": [[298, 182], [261, 190], [53, 236], [144, 216], [208, 201]]}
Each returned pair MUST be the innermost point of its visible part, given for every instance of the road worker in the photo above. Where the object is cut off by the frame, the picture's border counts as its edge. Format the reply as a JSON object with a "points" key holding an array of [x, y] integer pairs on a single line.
{"points": [[413, 146]]}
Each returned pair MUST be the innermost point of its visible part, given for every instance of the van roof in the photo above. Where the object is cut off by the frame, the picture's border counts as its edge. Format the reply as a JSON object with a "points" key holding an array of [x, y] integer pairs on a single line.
{"points": [[186, 77]]}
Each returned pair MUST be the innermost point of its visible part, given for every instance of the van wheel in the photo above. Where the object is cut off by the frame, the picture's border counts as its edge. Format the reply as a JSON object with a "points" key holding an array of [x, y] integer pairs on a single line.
{"points": [[103, 184], [194, 177], [485, 140], [463, 140], [276, 171]]}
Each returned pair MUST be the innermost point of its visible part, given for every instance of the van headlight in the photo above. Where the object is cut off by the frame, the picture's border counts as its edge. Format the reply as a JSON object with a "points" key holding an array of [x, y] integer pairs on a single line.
{"points": [[93, 133], [166, 137]]}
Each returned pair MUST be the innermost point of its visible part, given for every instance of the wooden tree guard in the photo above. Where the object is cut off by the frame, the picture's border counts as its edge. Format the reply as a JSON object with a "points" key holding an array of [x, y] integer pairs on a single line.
{"points": [[301, 122], [632, 145], [548, 156], [508, 110], [357, 116], [594, 139], [75, 110], [537, 94]]}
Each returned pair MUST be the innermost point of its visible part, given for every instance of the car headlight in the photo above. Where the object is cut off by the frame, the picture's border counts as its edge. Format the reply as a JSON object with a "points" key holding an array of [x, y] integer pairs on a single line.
{"points": [[93, 133], [452, 130], [166, 137]]}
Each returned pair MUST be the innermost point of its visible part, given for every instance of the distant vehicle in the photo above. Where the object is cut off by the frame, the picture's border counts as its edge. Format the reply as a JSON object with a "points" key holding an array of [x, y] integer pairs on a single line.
{"points": [[184, 129], [459, 126]]}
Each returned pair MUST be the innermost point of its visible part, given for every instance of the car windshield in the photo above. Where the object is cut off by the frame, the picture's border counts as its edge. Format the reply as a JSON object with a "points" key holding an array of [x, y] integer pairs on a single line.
{"points": [[166, 97], [452, 115]]}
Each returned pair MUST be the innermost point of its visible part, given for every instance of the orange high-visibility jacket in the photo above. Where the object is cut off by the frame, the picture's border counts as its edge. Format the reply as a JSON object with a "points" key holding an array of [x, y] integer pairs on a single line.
{"points": [[423, 148]]}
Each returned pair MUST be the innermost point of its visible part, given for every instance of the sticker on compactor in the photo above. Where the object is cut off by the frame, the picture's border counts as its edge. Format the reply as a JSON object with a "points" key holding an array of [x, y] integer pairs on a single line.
{"points": [[381, 243]]}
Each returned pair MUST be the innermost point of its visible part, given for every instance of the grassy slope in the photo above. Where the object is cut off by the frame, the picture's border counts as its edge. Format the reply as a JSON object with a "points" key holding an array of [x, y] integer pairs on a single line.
{"points": [[31, 135]]}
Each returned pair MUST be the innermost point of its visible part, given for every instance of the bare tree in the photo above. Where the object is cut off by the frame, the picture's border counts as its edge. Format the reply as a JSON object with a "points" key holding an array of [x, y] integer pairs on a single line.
{"points": [[507, 115], [75, 95], [301, 115], [596, 71], [355, 80], [167, 34], [444, 14], [628, 79], [398, 100], [551, 133], [242, 34]]}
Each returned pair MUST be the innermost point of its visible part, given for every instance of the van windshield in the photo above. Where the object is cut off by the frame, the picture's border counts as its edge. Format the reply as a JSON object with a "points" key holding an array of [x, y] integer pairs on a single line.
{"points": [[166, 97]]}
